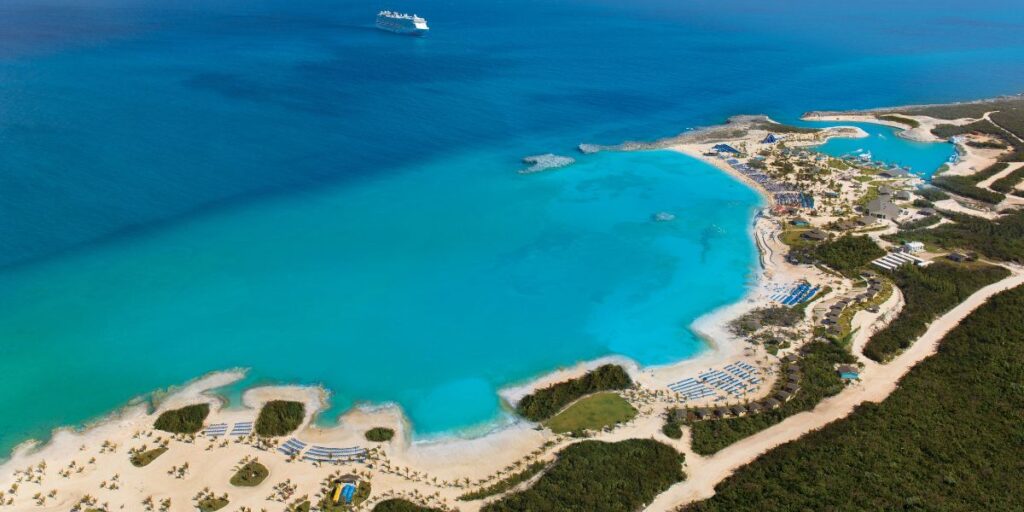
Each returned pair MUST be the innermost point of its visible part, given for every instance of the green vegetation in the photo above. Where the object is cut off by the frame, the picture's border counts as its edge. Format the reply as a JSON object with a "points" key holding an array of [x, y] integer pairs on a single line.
{"points": [[379, 434], [594, 412], [842, 334], [1007, 183], [143, 459], [948, 438], [793, 237], [280, 417], [973, 109], [544, 403], [301, 507], [505, 484], [966, 186], [1013, 122], [932, 193], [600, 477], [362, 493], [1009, 116], [928, 292], [989, 172], [250, 475], [819, 380], [921, 223], [783, 128], [999, 239], [843, 254], [187, 420], [778, 316], [672, 428], [900, 119], [212, 503], [400, 505]]}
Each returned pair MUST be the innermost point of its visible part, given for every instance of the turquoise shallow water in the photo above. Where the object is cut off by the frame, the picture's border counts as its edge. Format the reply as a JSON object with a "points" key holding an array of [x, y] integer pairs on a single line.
{"points": [[923, 158], [191, 186], [432, 288]]}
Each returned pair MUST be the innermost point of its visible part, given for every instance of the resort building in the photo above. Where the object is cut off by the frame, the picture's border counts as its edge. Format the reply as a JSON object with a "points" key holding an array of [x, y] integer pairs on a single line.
{"points": [[894, 260], [883, 208], [724, 149], [866, 220]]}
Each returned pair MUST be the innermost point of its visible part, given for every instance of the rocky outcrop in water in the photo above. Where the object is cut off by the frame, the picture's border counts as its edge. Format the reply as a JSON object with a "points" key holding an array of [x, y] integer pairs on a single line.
{"points": [[539, 163]]}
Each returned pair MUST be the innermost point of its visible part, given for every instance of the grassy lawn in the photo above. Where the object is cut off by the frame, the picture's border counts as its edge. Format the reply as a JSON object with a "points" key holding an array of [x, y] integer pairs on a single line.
{"points": [[143, 459], [793, 236], [593, 412], [250, 475]]}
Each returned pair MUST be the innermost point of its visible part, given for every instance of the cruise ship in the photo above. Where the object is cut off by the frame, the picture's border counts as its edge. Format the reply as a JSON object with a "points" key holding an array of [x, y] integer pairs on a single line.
{"points": [[401, 23]]}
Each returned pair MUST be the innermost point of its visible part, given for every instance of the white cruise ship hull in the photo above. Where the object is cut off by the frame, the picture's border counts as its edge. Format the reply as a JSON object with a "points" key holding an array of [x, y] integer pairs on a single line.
{"points": [[401, 28]]}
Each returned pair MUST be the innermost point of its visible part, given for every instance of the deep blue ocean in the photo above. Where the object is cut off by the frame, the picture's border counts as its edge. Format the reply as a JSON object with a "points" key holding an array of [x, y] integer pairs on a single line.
{"points": [[198, 185]]}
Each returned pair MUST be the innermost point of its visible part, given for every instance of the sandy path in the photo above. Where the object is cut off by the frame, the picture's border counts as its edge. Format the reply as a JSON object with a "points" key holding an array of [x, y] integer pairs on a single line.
{"points": [[988, 117], [987, 182], [878, 381]]}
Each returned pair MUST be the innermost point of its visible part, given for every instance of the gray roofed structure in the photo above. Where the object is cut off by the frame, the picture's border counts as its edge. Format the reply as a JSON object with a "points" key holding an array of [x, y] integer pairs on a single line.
{"points": [[883, 208]]}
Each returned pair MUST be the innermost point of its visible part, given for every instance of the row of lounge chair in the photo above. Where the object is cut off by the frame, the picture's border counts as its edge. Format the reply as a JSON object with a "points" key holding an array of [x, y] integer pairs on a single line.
{"points": [[328, 454], [795, 199], [691, 389], [242, 428], [294, 447], [785, 393], [761, 178], [738, 378], [798, 294]]}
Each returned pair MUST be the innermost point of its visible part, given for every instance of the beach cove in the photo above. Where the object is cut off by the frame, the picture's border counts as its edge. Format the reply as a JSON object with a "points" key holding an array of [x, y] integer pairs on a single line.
{"points": [[406, 290], [448, 466]]}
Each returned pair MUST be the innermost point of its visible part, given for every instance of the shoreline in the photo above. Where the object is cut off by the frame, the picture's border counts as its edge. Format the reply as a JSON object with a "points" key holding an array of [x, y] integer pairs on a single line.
{"points": [[479, 450], [202, 388]]}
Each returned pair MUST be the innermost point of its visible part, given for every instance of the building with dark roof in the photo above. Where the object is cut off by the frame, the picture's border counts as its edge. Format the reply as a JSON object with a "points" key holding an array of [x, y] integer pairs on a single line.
{"points": [[883, 208]]}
